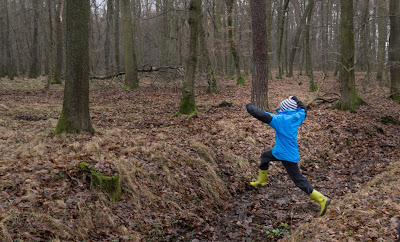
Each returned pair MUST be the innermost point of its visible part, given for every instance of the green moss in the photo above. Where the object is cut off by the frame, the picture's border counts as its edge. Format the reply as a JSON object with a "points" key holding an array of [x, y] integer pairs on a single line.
{"points": [[126, 87], [187, 106], [64, 125], [241, 81], [55, 80], [109, 185], [353, 107]]}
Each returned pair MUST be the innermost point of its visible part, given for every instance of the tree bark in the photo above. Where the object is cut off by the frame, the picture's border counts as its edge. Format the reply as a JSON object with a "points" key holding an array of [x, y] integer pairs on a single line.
{"points": [[60, 44], [131, 77], [394, 50], [281, 24], [217, 37], [75, 116], [34, 71], [51, 71], [116, 37], [235, 54], [107, 43], [212, 82], [269, 18], [309, 68], [188, 104], [349, 99], [259, 93], [296, 39], [10, 70], [381, 39]]}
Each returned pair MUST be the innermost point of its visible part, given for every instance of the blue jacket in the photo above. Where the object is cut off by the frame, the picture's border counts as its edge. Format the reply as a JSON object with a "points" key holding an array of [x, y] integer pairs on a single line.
{"points": [[286, 123]]}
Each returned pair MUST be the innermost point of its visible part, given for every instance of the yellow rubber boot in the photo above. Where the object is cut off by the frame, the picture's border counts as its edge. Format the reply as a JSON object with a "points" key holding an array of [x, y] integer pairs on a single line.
{"points": [[321, 199], [262, 178]]}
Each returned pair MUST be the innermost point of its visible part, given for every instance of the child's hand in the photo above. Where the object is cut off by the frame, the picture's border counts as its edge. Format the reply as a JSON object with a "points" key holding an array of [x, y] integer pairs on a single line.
{"points": [[290, 97]]}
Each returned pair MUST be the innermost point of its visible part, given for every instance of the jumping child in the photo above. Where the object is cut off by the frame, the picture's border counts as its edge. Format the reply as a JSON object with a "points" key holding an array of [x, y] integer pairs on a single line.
{"points": [[291, 114]]}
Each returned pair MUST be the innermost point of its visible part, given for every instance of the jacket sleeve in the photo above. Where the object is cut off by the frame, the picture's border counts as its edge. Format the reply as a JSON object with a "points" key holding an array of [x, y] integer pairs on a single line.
{"points": [[300, 104], [258, 113]]}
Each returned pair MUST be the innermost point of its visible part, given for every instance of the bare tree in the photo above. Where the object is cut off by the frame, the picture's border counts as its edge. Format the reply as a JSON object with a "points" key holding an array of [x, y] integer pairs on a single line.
{"points": [[116, 36], [259, 93], [349, 99], [75, 116], [60, 43], [235, 54], [188, 104], [394, 50], [131, 77], [381, 39], [34, 71]]}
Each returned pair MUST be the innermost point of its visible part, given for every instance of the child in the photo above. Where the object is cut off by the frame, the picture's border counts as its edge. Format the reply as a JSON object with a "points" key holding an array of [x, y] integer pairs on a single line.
{"points": [[291, 115]]}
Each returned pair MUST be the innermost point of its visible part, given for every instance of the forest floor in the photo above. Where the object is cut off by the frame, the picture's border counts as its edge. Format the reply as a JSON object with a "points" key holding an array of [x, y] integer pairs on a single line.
{"points": [[187, 179]]}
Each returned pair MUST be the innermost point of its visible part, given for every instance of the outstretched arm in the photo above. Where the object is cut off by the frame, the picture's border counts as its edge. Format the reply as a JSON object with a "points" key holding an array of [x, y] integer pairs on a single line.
{"points": [[258, 113]]}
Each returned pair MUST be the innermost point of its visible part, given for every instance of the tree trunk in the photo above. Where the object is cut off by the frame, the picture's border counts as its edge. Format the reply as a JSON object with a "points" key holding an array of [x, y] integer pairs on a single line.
{"points": [[259, 93], [381, 39], [394, 50], [116, 37], [60, 45], [281, 24], [269, 39], [326, 14], [188, 104], [217, 37], [212, 82], [349, 99], [10, 70], [131, 77], [51, 71], [34, 71], [107, 43], [75, 116], [2, 47], [296, 39], [309, 68], [235, 54]]}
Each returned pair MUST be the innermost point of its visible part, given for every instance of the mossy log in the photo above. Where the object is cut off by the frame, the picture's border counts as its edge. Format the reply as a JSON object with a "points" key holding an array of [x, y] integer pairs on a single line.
{"points": [[109, 185]]}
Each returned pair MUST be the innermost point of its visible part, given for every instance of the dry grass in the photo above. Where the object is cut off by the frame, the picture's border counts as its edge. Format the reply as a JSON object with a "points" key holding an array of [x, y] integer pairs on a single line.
{"points": [[370, 214]]}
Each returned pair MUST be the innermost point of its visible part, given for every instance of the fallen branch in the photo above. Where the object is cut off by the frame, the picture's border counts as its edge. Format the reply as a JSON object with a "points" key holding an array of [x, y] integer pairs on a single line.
{"points": [[179, 70], [326, 98]]}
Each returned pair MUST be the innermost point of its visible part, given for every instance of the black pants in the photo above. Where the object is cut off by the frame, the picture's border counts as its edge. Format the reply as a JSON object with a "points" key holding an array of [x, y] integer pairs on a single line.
{"points": [[292, 169]]}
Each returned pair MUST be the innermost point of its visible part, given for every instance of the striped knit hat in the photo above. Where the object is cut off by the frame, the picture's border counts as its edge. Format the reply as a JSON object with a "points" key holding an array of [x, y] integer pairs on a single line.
{"points": [[288, 104]]}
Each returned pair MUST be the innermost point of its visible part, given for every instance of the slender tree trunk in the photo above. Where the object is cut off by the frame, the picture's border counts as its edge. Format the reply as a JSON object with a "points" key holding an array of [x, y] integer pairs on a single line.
{"points": [[259, 93], [75, 116], [309, 68], [60, 46], [2, 47], [269, 39], [212, 83], [34, 71], [235, 54], [325, 15], [51, 71], [381, 39], [10, 70], [394, 50], [281, 25], [349, 99], [219, 65], [188, 104], [116, 37], [107, 43], [131, 76], [295, 44]]}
